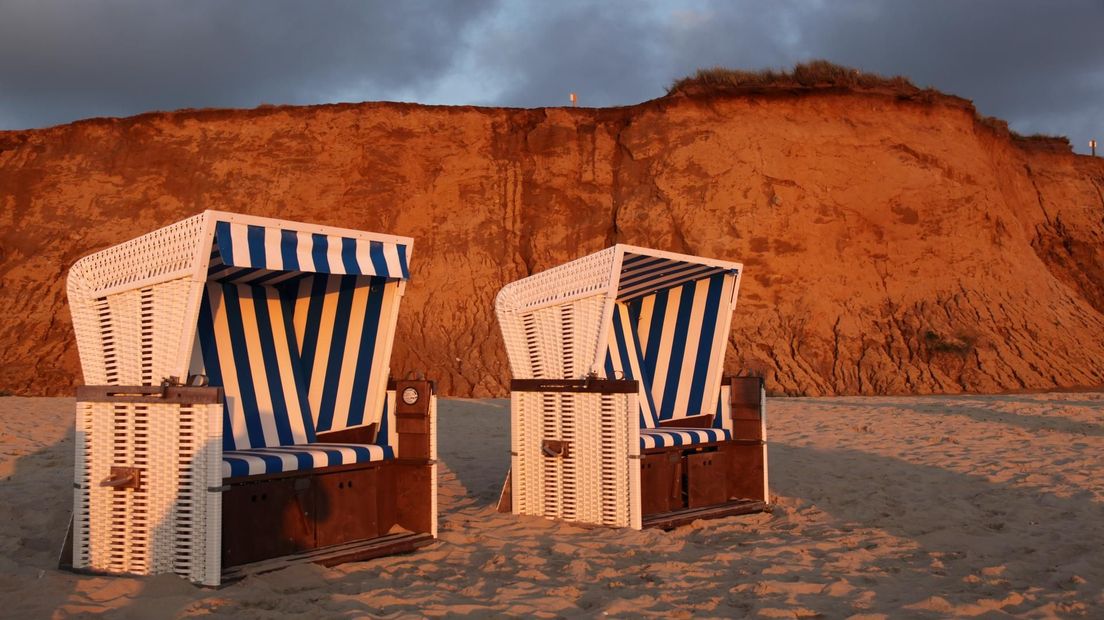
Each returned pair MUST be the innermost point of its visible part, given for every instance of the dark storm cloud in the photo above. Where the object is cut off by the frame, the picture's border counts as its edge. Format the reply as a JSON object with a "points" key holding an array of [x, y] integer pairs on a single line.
{"points": [[66, 60], [1038, 64]]}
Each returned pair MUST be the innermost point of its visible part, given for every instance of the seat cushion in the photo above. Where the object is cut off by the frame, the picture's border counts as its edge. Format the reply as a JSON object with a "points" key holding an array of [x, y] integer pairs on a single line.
{"points": [[667, 437], [256, 461]]}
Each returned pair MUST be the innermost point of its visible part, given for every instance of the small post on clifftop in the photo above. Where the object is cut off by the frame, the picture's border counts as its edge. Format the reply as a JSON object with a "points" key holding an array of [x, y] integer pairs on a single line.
{"points": [[1092, 145]]}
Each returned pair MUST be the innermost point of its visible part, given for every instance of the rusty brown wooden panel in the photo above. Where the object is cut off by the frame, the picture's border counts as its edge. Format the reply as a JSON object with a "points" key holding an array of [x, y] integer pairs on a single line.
{"points": [[660, 483], [267, 519], [345, 506], [746, 471], [706, 479]]}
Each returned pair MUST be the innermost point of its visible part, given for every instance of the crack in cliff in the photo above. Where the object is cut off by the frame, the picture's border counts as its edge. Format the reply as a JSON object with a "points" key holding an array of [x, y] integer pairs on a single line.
{"points": [[620, 153], [1038, 192]]}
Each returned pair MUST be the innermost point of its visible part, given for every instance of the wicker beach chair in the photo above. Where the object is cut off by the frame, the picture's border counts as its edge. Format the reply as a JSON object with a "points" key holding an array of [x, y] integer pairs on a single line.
{"points": [[238, 413], [620, 415]]}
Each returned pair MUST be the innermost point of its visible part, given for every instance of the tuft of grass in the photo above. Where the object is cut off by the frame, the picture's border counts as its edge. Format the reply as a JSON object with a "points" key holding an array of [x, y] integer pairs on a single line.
{"points": [[812, 74], [1043, 139], [960, 344], [823, 74]]}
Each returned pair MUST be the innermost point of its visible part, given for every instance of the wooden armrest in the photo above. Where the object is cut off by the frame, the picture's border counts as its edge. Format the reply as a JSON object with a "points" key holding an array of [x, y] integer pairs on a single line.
{"points": [[358, 434], [704, 420]]}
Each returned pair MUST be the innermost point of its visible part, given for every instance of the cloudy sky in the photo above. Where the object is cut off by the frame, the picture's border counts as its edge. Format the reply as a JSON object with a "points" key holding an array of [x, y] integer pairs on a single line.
{"points": [[1038, 64]]}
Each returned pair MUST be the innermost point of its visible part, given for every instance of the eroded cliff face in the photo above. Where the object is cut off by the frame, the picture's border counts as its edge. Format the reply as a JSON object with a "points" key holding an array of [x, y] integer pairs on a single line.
{"points": [[890, 246]]}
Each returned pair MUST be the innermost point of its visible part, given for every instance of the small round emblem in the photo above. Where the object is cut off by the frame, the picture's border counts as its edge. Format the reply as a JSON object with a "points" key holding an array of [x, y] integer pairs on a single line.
{"points": [[410, 396]]}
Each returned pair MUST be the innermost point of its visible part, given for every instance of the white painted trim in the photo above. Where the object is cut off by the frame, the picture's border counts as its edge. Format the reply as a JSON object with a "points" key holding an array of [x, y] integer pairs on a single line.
{"points": [[515, 449], [607, 310], [766, 461], [195, 297], [686, 258], [237, 218], [636, 508]]}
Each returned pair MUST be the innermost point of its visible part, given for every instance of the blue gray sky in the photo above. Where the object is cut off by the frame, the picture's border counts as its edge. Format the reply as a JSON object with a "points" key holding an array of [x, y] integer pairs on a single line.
{"points": [[1037, 64]]}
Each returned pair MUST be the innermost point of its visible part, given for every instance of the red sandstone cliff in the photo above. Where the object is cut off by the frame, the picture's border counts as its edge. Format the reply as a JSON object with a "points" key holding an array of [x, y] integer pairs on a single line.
{"points": [[890, 245]]}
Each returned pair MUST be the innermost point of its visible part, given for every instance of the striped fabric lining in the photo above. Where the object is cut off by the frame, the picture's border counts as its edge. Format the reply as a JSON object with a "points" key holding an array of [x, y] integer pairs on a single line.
{"points": [[623, 361], [293, 360], [642, 275], [251, 246], [667, 437], [343, 326], [294, 458], [249, 348], [671, 341]]}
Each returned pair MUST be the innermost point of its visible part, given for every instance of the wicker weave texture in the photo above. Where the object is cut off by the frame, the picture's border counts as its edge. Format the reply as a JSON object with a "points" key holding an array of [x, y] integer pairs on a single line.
{"points": [[593, 482], [579, 278], [133, 337], [554, 342], [551, 320], [161, 253], [172, 522]]}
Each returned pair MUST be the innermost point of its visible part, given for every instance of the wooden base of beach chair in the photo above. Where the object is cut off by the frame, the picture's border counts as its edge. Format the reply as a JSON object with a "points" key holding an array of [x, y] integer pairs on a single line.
{"points": [[266, 517], [670, 520], [358, 551], [680, 484]]}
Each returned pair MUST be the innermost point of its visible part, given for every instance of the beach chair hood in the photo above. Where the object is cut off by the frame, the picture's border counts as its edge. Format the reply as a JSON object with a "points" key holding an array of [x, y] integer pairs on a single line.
{"points": [[627, 313], [294, 321]]}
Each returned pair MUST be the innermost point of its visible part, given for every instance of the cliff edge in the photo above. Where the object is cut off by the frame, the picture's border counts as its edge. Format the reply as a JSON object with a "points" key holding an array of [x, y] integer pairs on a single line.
{"points": [[891, 244]]}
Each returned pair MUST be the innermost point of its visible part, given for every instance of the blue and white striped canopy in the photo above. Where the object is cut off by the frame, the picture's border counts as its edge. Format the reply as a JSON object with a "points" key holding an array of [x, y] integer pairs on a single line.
{"points": [[297, 328], [669, 331], [643, 274], [269, 255]]}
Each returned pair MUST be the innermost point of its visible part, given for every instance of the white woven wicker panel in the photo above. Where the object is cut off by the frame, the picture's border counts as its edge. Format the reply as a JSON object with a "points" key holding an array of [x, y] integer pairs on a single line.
{"points": [[161, 252], [134, 337], [580, 277], [594, 483], [172, 522], [554, 342], [534, 311]]}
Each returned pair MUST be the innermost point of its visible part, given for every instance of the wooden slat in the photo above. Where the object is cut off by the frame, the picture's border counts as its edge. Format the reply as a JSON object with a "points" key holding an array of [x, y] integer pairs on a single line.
{"points": [[704, 420], [589, 386], [358, 434], [668, 520], [391, 544], [184, 395]]}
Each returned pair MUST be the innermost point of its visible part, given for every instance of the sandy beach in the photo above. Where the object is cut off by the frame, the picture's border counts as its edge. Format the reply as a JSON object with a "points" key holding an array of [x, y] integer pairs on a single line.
{"points": [[885, 507]]}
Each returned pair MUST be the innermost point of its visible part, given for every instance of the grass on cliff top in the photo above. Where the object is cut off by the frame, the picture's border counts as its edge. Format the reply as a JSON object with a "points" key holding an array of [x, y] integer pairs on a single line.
{"points": [[825, 74], [812, 74]]}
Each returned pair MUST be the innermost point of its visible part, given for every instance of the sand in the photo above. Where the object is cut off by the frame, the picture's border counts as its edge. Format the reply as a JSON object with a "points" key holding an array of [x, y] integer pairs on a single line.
{"points": [[885, 507]]}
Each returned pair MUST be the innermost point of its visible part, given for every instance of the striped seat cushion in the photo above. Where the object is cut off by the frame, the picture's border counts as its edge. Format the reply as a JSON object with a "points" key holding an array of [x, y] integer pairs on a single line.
{"points": [[279, 459], [667, 437]]}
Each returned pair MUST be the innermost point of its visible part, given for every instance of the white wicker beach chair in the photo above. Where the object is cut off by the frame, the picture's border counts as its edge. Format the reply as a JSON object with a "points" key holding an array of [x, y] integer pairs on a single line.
{"points": [[238, 413], [620, 414]]}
